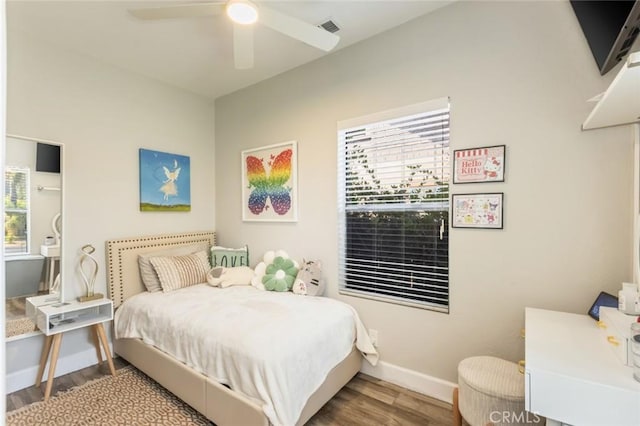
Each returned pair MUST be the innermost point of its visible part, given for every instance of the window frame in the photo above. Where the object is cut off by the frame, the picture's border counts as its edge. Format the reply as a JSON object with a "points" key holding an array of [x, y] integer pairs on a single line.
{"points": [[442, 207], [26, 171]]}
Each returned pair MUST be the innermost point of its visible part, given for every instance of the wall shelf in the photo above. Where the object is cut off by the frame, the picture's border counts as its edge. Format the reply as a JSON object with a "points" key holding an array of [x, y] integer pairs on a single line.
{"points": [[620, 104]]}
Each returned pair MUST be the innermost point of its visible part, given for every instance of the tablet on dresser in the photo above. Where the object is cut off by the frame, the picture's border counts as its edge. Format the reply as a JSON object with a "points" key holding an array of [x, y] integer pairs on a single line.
{"points": [[603, 299]]}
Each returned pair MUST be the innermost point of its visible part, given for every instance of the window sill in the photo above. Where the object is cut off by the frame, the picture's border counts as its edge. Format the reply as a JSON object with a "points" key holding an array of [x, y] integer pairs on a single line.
{"points": [[16, 257], [395, 301]]}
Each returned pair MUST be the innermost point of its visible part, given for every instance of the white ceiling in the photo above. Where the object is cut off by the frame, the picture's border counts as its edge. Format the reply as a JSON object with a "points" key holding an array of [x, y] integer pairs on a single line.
{"points": [[196, 54]]}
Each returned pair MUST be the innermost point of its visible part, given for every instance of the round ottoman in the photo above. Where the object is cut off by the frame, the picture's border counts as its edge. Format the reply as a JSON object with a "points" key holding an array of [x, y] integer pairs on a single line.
{"points": [[491, 391]]}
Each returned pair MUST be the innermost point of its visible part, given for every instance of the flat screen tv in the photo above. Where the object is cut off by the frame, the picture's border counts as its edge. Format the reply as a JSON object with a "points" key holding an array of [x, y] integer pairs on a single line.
{"points": [[47, 158], [610, 28]]}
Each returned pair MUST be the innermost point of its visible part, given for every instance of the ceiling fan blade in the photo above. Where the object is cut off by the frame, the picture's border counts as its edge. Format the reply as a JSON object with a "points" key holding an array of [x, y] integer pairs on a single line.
{"points": [[298, 29], [243, 46], [180, 11]]}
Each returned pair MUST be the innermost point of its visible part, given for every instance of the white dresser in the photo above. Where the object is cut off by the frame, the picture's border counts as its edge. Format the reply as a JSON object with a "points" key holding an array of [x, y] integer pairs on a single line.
{"points": [[573, 376]]}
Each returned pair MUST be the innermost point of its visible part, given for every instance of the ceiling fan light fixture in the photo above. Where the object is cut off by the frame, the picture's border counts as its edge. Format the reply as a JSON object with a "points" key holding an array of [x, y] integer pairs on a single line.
{"points": [[242, 12]]}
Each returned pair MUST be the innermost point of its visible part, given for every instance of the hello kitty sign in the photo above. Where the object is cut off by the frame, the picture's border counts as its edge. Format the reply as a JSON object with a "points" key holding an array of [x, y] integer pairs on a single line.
{"points": [[474, 165]]}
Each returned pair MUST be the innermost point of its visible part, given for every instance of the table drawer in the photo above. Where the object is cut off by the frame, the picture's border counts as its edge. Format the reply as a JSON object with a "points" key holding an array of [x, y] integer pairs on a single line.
{"points": [[579, 402]]}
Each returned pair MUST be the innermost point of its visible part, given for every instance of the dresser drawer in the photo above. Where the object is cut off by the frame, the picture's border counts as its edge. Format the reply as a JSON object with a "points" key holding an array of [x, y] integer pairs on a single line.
{"points": [[616, 331], [571, 375]]}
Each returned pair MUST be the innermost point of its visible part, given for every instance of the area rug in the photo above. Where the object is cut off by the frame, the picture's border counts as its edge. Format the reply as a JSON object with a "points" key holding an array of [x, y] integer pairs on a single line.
{"points": [[129, 398], [16, 327]]}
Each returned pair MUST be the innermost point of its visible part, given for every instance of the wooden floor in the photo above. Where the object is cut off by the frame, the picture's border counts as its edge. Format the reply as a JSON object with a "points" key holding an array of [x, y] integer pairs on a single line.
{"points": [[15, 307], [363, 401], [33, 394], [368, 401]]}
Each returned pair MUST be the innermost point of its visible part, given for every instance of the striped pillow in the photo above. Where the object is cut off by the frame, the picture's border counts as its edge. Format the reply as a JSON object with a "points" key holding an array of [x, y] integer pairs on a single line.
{"points": [[177, 272]]}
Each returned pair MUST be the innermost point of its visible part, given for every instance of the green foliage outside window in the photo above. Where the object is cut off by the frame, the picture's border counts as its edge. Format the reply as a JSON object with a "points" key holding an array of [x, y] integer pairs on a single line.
{"points": [[396, 223], [16, 209], [363, 186]]}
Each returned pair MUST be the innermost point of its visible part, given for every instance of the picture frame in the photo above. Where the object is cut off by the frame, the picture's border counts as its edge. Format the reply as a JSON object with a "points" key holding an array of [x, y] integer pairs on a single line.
{"points": [[479, 165], [270, 183], [483, 211], [165, 181]]}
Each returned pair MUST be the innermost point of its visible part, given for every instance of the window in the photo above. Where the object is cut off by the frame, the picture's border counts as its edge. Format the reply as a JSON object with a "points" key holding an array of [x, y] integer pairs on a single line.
{"points": [[394, 205], [16, 210]]}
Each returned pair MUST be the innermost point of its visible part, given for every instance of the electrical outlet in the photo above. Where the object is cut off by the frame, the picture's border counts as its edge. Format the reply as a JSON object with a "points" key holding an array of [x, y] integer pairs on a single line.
{"points": [[373, 335]]}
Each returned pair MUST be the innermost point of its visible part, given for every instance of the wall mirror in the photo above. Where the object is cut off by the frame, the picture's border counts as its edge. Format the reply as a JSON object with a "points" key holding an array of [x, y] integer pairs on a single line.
{"points": [[33, 200]]}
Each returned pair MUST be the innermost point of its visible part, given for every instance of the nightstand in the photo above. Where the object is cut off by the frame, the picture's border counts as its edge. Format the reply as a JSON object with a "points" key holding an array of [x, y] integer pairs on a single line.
{"points": [[56, 319]]}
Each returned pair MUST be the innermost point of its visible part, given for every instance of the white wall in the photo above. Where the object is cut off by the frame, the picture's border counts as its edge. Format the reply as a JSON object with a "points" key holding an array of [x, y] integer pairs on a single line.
{"points": [[518, 73], [103, 115]]}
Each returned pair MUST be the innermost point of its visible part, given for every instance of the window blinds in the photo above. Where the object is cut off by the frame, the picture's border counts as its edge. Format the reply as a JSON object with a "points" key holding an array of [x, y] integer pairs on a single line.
{"points": [[394, 205]]}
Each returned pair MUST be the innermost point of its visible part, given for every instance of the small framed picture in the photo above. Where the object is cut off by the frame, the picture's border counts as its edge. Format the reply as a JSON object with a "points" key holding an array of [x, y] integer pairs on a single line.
{"points": [[165, 182], [477, 210], [476, 165]]}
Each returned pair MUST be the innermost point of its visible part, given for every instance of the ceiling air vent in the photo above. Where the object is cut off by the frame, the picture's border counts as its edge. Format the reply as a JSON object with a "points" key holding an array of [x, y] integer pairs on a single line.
{"points": [[330, 26]]}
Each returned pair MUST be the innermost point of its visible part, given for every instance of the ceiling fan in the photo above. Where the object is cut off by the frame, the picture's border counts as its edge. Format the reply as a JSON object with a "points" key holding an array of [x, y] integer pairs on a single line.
{"points": [[244, 14]]}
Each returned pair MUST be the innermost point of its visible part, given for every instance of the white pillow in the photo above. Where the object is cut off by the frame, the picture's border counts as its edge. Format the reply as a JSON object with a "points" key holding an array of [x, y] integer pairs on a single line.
{"points": [[177, 272], [148, 273]]}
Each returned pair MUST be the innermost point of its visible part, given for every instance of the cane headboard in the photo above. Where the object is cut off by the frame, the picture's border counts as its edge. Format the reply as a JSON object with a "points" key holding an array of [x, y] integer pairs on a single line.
{"points": [[123, 273]]}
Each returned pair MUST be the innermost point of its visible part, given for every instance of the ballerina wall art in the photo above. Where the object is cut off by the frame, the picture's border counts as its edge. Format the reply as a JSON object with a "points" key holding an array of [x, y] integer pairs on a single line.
{"points": [[165, 182]]}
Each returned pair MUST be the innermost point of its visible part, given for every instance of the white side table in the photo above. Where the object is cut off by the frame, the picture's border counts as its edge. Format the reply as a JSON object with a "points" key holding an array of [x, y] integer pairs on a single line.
{"points": [[56, 319]]}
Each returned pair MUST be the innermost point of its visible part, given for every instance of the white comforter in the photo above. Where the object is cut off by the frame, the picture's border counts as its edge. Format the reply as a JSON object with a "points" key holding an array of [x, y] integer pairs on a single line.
{"points": [[275, 348]]}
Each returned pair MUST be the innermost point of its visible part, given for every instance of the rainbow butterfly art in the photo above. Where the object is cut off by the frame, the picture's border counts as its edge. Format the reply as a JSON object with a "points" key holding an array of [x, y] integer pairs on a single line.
{"points": [[269, 183]]}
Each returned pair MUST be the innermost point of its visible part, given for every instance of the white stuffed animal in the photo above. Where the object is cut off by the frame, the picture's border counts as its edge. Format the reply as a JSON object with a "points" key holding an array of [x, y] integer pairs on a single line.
{"points": [[309, 280], [226, 277]]}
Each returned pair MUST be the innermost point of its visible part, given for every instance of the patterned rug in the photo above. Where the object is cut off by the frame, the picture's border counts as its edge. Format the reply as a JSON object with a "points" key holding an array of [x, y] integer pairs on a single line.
{"points": [[16, 327], [129, 398]]}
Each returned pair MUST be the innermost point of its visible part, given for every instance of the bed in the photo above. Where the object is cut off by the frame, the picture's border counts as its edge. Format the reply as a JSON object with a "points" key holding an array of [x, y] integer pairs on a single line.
{"points": [[222, 401]]}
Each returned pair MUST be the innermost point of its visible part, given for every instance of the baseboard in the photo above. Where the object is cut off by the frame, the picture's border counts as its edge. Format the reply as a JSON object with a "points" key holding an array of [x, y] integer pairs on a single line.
{"points": [[428, 385], [413, 380], [67, 364]]}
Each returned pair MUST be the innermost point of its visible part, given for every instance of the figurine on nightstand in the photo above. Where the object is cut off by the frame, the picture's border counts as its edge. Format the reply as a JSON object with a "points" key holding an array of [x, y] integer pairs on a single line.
{"points": [[90, 281]]}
